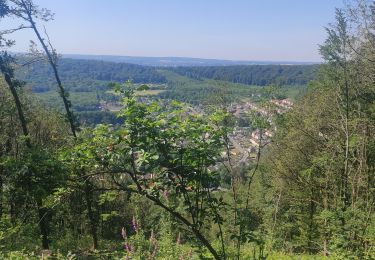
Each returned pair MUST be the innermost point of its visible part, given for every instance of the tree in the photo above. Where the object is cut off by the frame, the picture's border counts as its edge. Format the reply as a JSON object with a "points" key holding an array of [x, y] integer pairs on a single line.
{"points": [[29, 171], [27, 11], [161, 153], [321, 155]]}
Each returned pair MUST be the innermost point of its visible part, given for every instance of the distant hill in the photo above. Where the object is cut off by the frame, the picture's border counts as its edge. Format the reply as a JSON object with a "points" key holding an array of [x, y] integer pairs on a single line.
{"points": [[252, 74], [86, 75], [177, 61]]}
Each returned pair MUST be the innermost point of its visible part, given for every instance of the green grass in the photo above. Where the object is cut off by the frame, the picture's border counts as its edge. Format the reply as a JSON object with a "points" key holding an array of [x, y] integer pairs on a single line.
{"points": [[209, 91], [82, 101], [151, 92], [205, 91]]}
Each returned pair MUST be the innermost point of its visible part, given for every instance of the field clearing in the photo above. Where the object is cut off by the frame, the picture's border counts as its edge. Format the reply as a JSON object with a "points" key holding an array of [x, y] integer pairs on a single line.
{"points": [[150, 92]]}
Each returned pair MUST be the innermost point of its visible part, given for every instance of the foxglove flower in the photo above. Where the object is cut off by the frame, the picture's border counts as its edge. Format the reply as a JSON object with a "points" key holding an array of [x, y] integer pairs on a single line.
{"points": [[135, 224]]}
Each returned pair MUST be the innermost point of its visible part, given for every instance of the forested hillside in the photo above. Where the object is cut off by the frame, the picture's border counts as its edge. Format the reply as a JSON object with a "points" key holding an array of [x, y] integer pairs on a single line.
{"points": [[204, 91], [85, 75], [193, 167], [260, 75]]}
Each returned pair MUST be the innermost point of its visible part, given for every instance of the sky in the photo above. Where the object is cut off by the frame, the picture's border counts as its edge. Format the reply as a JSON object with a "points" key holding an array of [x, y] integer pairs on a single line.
{"points": [[262, 30]]}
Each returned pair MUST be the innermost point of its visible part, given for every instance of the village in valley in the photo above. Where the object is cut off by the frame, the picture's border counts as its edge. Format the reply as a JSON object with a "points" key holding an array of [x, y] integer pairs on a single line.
{"points": [[245, 140]]}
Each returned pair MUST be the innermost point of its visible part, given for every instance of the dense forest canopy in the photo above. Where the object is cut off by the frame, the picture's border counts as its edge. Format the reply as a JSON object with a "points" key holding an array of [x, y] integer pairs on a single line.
{"points": [[260, 75], [242, 173], [81, 75]]}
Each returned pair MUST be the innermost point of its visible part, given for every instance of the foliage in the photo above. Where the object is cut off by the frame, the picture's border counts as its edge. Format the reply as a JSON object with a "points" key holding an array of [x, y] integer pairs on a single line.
{"points": [[260, 75], [161, 183]]}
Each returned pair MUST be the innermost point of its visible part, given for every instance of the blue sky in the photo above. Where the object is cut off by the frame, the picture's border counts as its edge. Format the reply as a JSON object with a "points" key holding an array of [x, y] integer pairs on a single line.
{"points": [[278, 30]]}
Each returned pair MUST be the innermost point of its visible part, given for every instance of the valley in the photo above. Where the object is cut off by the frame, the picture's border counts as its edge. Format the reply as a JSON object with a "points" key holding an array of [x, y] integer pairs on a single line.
{"points": [[138, 149]]}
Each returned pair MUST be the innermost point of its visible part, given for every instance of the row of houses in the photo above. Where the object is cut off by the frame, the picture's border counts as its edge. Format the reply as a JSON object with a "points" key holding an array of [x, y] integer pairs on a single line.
{"points": [[246, 141]]}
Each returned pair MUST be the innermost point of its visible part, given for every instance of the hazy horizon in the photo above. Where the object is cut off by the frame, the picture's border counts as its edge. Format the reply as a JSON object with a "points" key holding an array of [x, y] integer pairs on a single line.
{"points": [[172, 57], [185, 57]]}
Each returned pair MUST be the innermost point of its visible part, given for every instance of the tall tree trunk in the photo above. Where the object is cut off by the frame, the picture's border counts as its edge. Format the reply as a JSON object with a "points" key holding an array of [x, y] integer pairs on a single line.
{"points": [[311, 222], [347, 135], [87, 190], [43, 224], [53, 64], [20, 112], [90, 214], [241, 226], [325, 226], [1, 192]]}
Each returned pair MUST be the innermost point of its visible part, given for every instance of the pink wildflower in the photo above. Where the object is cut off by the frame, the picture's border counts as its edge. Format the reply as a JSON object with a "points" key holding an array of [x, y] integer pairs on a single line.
{"points": [[165, 194], [135, 224], [123, 233]]}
